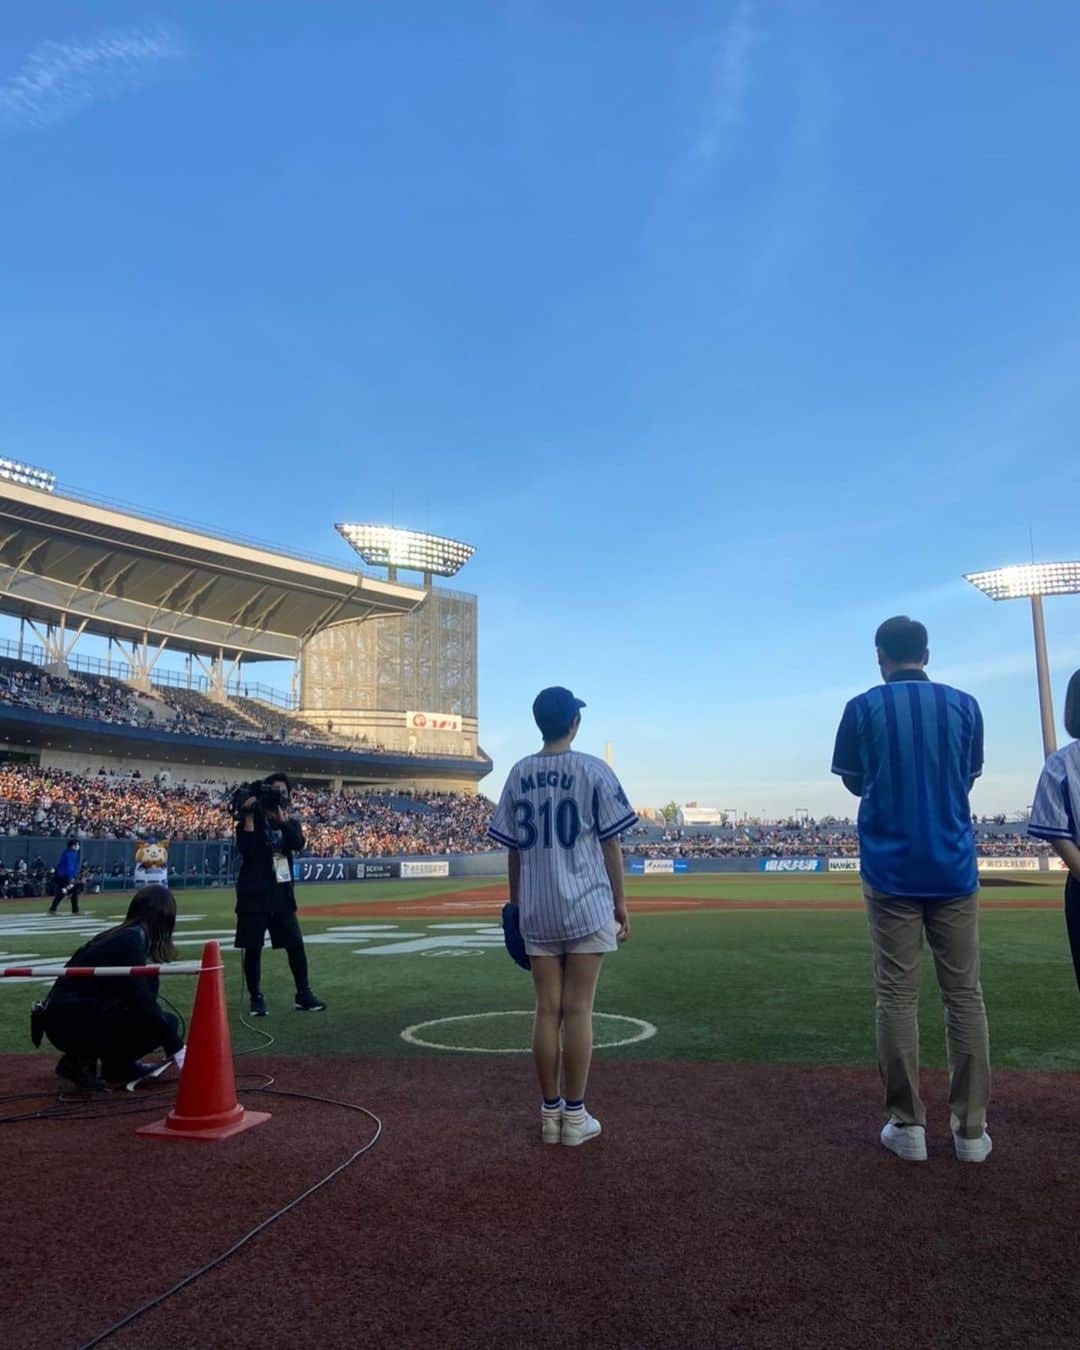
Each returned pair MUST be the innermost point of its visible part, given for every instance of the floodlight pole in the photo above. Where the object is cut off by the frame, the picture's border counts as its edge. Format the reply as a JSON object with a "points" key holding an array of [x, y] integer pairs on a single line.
{"points": [[1042, 672]]}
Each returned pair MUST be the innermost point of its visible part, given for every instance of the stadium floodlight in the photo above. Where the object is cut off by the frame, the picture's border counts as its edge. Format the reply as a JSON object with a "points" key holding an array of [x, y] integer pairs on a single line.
{"points": [[1033, 580], [416, 551], [15, 471], [1013, 583]]}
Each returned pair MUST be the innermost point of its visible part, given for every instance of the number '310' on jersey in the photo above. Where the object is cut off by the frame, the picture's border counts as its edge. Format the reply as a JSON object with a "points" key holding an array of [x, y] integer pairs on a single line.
{"points": [[556, 810]]}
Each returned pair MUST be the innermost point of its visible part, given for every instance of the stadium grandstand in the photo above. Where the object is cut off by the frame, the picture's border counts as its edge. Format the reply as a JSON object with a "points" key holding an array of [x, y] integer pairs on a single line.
{"points": [[809, 838], [382, 673], [138, 741]]}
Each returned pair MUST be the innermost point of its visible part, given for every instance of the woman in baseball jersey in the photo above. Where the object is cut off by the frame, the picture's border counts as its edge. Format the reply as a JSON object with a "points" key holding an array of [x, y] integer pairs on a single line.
{"points": [[560, 815], [1055, 814]]}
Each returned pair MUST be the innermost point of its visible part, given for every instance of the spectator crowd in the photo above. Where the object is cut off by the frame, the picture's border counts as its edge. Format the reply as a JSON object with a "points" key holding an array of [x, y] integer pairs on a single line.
{"points": [[111, 805], [179, 711], [47, 802], [833, 840]]}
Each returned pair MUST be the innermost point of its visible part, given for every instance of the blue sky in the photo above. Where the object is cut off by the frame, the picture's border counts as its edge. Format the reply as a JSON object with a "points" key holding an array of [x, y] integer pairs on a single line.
{"points": [[722, 330]]}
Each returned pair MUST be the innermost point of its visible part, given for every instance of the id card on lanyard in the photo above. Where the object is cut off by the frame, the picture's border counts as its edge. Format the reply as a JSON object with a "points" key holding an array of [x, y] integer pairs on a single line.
{"points": [[281, 868]]}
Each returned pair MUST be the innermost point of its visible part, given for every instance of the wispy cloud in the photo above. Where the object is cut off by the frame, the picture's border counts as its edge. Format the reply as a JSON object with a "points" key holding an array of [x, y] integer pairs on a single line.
{"points": [[59, 79], [734, 46]]}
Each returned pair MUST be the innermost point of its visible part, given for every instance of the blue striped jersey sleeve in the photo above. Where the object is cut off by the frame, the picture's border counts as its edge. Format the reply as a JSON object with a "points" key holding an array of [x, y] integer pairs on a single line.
{"points": [[976, 767], [1054, 811], [502, 826], [611, 806], [847, 757]]}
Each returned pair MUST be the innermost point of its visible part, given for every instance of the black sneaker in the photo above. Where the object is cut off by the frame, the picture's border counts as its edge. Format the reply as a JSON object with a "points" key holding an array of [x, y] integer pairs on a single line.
{"points": [[81, 1072], [307, 1002], [258, 1006]]}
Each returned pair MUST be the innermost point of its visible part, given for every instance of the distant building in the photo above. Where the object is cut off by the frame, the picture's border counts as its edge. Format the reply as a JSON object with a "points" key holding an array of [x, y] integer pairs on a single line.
{"points": [[700, 815]]}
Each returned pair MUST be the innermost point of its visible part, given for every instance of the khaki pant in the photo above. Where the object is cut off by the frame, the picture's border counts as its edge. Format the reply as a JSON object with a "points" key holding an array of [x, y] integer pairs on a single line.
{"points": [[952, 933]]}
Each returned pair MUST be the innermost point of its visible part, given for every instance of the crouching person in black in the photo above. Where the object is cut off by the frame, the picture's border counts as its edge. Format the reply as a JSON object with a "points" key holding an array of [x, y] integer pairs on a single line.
{"points": [[267, 839], [116, 1018]]}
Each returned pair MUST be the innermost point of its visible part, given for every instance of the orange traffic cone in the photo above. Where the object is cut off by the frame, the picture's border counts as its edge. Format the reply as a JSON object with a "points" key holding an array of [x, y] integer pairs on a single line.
{"points": [[206, 1105]]}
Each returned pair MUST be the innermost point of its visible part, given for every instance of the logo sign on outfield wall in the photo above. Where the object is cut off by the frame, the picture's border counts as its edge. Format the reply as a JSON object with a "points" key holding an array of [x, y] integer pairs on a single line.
{"points": [[843, 864], [664, 865], [416, 870], [376, 871], [1008, 864], [1057, 865], [792, 864], [426, 721], [327, 869]]}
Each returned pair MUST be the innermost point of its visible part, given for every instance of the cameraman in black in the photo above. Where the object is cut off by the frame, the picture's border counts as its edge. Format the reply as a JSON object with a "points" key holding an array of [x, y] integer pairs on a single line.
{"points": [[266, 840]]}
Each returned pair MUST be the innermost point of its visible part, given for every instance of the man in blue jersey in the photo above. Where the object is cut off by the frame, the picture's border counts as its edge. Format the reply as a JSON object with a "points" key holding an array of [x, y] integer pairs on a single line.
{"points": [[911, 749]]}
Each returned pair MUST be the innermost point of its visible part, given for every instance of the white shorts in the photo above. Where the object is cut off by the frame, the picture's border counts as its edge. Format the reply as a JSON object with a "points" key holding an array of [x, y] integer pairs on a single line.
{"points": [[594, 944]]}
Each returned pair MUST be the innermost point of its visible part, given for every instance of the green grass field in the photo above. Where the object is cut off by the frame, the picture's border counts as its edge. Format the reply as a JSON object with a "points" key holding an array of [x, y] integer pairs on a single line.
{"points": [[762, 985]]}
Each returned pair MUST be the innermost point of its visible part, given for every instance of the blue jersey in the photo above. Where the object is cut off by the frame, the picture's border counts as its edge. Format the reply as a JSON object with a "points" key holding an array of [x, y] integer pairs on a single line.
{"points": [[68, 865], [556, 810], [915, 748]]}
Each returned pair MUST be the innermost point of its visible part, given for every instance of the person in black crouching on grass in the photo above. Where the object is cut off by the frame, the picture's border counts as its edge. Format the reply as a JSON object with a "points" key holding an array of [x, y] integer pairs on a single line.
{"points": [[267, 839], [116, 1018]]}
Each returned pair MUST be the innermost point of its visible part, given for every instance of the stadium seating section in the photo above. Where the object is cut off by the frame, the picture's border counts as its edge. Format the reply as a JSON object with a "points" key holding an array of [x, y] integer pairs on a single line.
{"points": [[184, 712], [805, 839], [46, 803]]}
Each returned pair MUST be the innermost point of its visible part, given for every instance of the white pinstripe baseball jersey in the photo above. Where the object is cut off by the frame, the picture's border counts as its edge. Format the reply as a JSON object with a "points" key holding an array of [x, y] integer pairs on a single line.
{"points": [[556, 810], [1055, 812]]}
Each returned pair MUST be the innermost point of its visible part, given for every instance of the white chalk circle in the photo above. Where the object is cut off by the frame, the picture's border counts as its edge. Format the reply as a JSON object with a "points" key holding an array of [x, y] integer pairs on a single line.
{"points": [[642, 1033]]}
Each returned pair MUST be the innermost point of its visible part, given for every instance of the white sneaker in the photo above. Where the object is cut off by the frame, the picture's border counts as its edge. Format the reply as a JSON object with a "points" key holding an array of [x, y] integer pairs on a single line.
{"points": [[578, 1128], [972, 1150], [906, 1141], [551, 1124]]}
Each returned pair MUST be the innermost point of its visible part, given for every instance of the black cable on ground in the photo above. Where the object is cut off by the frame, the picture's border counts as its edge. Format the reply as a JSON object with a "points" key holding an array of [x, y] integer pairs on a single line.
{"points": [[182, 1033], [85, 1107], [104, 1105], [260, 1227]]}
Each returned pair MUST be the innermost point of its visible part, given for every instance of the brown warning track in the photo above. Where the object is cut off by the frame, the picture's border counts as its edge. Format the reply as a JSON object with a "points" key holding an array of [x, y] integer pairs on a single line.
{"points": [[485, 900], [723, 1205]]}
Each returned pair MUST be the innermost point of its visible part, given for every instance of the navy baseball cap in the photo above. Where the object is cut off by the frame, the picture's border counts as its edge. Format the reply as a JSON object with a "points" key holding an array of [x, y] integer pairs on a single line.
{"points": [[512, 937], [554, 710]]}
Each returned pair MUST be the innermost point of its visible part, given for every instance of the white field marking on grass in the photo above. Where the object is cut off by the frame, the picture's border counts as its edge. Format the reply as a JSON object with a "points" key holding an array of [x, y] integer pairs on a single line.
{"points": [[466, 924], [475, 905], [645, 1031], [360, 929], [39, 925]]}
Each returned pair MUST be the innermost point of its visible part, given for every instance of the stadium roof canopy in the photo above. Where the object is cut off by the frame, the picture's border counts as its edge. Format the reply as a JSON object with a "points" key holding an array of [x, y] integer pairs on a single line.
{"points": [[88, 566]]}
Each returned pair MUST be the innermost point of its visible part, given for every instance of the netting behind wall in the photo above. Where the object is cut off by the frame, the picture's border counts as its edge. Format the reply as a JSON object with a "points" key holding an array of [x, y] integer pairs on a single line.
{"points": [[423, 661]]}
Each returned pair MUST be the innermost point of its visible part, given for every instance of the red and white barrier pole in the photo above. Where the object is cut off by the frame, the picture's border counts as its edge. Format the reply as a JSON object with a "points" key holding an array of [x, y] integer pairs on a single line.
{"points": [[92, 972]]}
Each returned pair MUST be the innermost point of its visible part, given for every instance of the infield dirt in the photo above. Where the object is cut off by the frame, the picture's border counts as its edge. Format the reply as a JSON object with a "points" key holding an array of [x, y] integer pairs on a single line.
{"points": [[723, 1205]]}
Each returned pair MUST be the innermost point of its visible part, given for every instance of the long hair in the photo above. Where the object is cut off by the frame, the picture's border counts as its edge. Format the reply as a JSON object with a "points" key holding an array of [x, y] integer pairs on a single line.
{"points": [[154, 910], [1072, 706]]}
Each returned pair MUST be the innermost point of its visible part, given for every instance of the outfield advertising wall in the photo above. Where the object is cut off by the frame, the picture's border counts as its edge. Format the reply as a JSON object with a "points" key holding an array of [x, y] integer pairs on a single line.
{"points": [[213, 863], [1013, 864]]}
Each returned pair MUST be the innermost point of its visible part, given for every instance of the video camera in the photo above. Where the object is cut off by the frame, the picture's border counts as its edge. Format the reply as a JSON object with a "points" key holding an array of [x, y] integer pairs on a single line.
{"points": [[267, 796]]}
